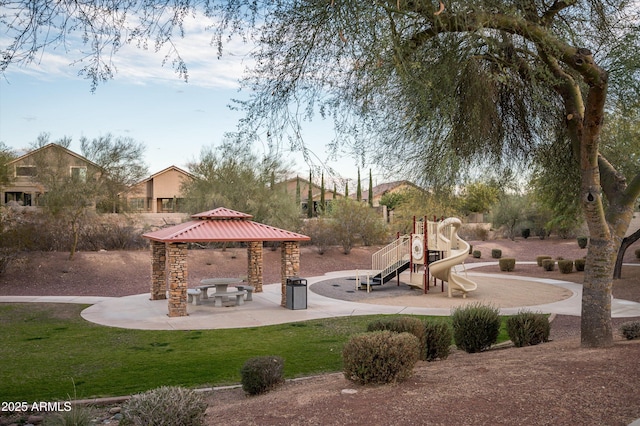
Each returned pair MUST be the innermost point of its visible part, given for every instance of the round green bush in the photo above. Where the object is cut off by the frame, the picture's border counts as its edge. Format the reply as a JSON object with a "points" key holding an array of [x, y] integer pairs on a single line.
{"points": [[630, 330], [539, 259], [549, 264], [528, 329], [477, 254], [438, 337], [165, 406], [380, 357], [579, 264], [565, 266], [402, 324], [582, 242], [262, 374], [507, 264], [475, 327], [496, 253]]}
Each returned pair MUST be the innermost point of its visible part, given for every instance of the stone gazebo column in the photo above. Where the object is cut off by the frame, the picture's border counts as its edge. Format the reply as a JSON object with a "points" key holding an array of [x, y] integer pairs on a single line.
{"points": [[254, 256], [158, 270], [290, 265], [177, 258]]}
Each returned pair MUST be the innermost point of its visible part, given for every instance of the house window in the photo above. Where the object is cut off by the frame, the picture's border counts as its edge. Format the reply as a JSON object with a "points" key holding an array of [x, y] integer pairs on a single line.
{"points": [[79, 174], [21, 198], [137, 204], [167, 204], [26, 171]]}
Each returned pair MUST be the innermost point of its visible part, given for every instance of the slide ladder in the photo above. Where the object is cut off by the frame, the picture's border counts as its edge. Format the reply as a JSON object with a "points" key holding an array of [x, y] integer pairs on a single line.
{"points": [[391, 260], [455, 255]]}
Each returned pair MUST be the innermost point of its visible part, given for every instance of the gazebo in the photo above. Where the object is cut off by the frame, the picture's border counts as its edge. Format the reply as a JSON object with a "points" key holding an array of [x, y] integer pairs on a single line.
{"points": [[169, 252]]}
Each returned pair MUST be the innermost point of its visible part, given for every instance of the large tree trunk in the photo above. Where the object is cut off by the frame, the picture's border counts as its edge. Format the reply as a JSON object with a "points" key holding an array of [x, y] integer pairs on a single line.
{"points": [[596, 329]]}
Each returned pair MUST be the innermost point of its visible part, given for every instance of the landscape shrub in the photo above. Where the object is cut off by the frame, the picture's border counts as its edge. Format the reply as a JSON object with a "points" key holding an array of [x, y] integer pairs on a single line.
{"points": [[565, 266], [528, 328], [637, 253], [103, 233], [262, 374], [6, 257], [496, 253], [77, 416], [477, 254], [549, 264], [539, 259], [482, 233], [526, 233], [579, 264], [630, 330], [438, 337], [475, 327], [507, 264], [321, 233], [167, 405], [582, 242], [39, 231], [473, 232], [402, 324], [380, 357]]}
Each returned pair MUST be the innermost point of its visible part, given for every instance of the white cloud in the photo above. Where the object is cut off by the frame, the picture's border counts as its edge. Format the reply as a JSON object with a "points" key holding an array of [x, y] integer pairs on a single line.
{"points": [[137, 65]]}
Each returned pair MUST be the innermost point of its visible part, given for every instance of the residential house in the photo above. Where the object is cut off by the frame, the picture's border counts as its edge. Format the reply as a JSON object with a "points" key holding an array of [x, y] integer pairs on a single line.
{"points": [[290, 186], [159, 193], [387, 188], [31, 172]]}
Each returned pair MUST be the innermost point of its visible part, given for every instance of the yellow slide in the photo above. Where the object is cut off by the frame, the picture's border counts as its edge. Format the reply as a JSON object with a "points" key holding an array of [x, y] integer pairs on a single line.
{"points": [[457, 253]]}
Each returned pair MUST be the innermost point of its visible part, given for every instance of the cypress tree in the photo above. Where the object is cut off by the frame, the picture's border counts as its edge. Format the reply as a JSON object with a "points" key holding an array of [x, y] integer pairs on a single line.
{"points": [[298, 190], [310, 198], [370, 198], [322, 201], [359, 188]]}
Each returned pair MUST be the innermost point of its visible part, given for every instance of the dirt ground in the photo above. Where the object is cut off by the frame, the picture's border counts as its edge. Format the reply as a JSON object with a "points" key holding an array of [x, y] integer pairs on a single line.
{"points": [[556, 383]]}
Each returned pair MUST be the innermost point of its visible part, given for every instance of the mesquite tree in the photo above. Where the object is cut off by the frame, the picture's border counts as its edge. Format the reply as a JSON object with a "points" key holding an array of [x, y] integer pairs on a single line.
{"points": [[432, 89]]}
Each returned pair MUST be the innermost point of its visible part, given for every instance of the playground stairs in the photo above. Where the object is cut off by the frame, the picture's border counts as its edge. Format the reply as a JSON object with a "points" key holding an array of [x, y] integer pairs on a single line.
{"points": [[391, 260]]}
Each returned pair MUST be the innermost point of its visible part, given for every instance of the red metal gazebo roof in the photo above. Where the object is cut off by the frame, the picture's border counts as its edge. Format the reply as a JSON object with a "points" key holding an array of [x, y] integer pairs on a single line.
{"points": [[222, 225]]}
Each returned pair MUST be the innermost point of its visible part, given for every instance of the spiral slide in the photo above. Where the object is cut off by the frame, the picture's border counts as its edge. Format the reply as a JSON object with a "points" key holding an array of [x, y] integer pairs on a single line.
{"points": [[441, 269]]}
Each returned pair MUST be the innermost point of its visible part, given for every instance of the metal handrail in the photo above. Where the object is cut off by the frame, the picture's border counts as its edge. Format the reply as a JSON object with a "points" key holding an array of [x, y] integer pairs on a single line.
{"points": [[386, 258]]}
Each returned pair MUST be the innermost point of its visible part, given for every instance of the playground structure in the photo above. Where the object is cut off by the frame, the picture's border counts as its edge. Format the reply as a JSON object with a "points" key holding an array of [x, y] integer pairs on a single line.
{"points": [[431, 251]]}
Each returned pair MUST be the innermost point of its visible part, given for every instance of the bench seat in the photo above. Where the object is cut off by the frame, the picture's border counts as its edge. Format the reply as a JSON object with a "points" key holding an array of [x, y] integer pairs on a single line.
{"points": [[193, 296], [249, 289], [220, 297]]}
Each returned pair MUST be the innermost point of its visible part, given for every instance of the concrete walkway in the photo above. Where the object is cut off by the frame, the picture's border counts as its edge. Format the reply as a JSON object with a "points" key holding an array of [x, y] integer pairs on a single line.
{"points": [[138, 312]]}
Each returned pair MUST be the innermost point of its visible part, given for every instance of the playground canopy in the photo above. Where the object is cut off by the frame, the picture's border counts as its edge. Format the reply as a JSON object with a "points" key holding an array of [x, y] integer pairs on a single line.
{"points": [[169, 252]]}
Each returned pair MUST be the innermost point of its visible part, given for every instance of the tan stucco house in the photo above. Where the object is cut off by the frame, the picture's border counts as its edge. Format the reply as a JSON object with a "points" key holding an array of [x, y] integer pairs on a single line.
{"points": [[159, 193], [29, 173], [387, 188], [316, 192]]}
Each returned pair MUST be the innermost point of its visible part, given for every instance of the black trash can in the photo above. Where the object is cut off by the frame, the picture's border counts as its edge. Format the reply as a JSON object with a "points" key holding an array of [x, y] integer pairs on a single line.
{"points": [[296, 293]]}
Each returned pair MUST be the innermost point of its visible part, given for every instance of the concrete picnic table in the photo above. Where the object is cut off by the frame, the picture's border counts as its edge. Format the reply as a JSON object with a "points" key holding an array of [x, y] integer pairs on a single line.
{"points": [[220, 284]]}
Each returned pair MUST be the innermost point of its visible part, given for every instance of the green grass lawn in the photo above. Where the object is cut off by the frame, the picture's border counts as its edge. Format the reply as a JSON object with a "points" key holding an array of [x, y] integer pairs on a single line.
{"points": [[50, 353]]}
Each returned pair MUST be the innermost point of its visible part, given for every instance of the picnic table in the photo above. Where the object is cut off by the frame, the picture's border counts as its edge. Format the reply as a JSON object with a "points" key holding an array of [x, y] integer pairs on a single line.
{"points": [[220, 284], [222, 294]]}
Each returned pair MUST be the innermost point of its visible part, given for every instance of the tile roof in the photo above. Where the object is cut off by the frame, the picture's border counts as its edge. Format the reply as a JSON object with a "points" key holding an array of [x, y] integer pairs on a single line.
{"points": [[221, 225]]}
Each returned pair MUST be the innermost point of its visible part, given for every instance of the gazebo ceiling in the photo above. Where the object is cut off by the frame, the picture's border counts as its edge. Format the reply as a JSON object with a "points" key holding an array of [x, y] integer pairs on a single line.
{"points": [[222, 225]]}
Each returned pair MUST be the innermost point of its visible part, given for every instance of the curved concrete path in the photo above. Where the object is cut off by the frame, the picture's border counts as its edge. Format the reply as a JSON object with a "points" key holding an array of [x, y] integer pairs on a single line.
{"points": [[138, 312]]}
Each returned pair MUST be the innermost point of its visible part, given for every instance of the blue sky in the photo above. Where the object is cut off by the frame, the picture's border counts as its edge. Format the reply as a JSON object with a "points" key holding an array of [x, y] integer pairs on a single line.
{"points": [[144, 101]]}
